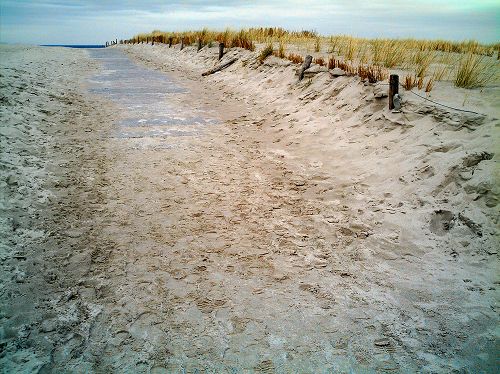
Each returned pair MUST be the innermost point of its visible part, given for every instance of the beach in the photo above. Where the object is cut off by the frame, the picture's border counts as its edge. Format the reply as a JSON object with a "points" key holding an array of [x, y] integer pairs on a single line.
{"points": [[155, 221]]}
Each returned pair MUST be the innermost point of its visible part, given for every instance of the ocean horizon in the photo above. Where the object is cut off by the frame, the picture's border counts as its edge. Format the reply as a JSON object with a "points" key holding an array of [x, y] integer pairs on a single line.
{"points": [[74, 45]]}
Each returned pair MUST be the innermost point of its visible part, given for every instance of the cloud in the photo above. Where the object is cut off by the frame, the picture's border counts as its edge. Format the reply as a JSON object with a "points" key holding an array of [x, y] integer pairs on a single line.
{"points": [[58, 21]]}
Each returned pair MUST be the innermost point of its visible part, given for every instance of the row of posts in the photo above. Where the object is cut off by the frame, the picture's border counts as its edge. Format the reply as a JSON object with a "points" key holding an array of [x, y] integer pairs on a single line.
{"points": [[161, 39], [113, 42], [393, 79]]}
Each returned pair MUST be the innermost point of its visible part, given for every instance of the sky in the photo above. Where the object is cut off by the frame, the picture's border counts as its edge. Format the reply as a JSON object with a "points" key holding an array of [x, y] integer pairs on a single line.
{"points": [[95, 21]]}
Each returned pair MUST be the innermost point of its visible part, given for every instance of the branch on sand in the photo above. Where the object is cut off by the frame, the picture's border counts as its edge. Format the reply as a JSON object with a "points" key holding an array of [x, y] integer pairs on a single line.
{"points": [[219, 68]]}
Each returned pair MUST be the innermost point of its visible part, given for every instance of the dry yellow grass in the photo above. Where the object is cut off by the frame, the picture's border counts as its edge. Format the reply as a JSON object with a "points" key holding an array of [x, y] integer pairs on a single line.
{"points": [[468, 64]]}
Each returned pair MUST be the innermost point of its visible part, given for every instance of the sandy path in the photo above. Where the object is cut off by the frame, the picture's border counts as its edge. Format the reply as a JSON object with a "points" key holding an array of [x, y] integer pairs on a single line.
{"points": [[212, 251]]}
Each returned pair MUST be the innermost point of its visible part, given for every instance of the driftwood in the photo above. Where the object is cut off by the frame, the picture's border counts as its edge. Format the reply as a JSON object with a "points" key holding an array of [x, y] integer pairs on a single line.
{"points": [[305, 66], [219, 68]]}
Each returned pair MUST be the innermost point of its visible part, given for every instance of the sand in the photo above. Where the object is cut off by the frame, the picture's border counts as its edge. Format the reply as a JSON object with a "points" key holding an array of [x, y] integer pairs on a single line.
{"points": [[309, 230]]}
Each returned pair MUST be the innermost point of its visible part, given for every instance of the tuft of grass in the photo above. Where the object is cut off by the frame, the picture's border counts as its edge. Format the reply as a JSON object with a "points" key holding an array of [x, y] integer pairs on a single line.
{"points": [[393, 54], [334, 43], [317, 44], [472, 72], [348, 67], [351, 49], [429, 85], [242, 40], [281, 49], [331, 63], [266, 52], [320, 61], [420, 82], [296, 59], [409, 82], [423, 60], [373, 73]]}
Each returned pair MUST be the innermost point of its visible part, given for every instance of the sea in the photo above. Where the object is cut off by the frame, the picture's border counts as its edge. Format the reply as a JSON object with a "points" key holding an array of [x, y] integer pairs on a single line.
{"points": [[75, 45]]}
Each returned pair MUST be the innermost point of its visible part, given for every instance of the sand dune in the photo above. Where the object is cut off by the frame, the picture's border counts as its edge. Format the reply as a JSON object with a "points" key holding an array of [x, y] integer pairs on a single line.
{"points": [[311, 229]]}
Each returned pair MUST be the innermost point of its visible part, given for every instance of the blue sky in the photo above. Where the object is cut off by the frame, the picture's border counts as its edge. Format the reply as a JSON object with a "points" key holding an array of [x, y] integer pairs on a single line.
{"points": [[93, 21]]}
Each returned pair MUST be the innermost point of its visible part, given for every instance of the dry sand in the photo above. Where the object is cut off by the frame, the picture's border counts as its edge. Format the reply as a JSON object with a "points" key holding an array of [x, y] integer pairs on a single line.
{"points": [[311, 230]]}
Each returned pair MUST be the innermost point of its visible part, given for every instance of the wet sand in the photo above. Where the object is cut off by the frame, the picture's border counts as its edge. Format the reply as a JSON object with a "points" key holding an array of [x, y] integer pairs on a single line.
{"points": [[161, 223]]}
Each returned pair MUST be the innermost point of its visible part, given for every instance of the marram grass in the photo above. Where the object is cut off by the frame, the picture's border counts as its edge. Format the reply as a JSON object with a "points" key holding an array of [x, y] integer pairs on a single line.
{"points": [[467, 64]]}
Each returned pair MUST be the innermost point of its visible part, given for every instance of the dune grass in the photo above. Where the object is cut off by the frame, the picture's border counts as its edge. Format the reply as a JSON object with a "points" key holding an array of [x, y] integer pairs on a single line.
{"points": [[266, 52], [467, 64], [473, 71]]}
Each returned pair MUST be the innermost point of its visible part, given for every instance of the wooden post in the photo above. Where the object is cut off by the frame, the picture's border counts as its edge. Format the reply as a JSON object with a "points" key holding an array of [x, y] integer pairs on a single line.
{"points": [[393, 89], [199, 44], [152, 40], [221, 50], [182, 44], [305, 66], [170, 39]]}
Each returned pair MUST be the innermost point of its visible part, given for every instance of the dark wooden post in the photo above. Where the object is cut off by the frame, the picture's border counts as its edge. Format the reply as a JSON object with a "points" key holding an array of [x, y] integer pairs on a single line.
{"points": [[199, 44], [305, 66], [152, 40], [393, 89], [170, 39], [221, 50], [182, 44]]}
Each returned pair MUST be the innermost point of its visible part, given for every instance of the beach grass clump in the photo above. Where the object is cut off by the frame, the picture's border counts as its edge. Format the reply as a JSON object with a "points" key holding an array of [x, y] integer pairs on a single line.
{"points": [[242, 40], [429, 85], [420, 83], [317, 44], [350, 49], [347, 66], [422, 61], [334, 43], [296, 59], [320, 61], [392, 53], [472, 71], [266, 52], [409, 82], [281, 50], [373, 73]]}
